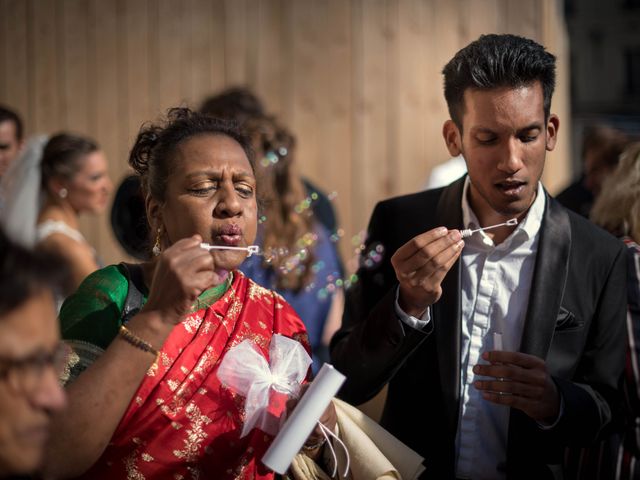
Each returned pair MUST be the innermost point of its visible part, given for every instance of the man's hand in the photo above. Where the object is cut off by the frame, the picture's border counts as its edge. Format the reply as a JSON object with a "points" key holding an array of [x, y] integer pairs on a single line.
{"points": [[520, 381], [421, 264]]}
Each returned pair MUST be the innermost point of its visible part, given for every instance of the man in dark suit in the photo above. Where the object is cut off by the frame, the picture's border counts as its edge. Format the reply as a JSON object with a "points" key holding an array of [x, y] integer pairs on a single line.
{"points": [[502, 349]]}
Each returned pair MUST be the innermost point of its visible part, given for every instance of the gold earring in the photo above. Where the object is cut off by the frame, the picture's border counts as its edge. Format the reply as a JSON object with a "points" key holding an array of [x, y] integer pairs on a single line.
{"points": [[156, 247]]}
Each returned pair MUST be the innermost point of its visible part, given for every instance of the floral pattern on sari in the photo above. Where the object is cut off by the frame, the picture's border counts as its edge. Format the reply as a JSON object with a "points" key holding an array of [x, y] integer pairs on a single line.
{"points": [[182, 423]]}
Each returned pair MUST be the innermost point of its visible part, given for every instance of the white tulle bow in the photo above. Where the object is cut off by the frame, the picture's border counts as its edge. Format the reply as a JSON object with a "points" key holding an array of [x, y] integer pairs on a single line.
{"points": [[245, 371]]}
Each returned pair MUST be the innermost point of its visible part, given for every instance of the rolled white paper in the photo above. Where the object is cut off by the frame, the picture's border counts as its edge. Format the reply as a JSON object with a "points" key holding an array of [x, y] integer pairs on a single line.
{"points": [[497, 341], [303, 419]]}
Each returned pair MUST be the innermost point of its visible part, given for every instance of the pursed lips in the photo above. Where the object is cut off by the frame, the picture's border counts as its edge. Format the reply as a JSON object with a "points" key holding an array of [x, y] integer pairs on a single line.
{"points": [[229, 234]]}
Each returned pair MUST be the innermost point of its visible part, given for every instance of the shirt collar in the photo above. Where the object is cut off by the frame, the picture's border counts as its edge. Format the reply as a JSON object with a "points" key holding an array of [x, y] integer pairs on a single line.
{"points": [[530, 226]]}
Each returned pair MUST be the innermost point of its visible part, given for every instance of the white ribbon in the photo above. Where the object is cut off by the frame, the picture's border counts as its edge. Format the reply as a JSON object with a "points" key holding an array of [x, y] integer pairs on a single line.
{"points": [[245, 371]]}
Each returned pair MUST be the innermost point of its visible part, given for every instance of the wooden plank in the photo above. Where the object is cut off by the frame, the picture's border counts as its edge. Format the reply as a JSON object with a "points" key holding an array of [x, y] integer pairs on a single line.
{"points": [[445, 38], [236, 42], [479, 17], [106, 70], [523, 18], [411, 152], [17, 63], [273, 58], [45, 109], [197, 53], [217, 75], [4, 46], [307, 91], [137, 69], [171, 40], [557, 173], [370, 143], [336, 153], [74, 91]]}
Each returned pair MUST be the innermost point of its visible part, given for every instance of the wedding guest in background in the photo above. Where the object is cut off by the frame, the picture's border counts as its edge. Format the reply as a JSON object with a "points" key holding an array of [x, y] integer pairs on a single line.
{"points": [[601, 149], [11, 134], [75, 180]]}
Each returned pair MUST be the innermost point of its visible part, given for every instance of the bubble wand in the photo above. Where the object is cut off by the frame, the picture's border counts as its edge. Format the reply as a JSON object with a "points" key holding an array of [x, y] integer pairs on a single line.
{"points": [[467, 232], [251, 249]]}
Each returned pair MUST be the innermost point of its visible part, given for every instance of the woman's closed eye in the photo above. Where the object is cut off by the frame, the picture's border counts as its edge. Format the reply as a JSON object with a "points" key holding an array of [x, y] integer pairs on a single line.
{"points": [[244, 190]]}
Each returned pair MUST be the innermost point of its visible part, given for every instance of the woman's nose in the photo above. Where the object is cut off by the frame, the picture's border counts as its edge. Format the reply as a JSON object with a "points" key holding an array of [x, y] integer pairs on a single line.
{"points": [[229, 204]]}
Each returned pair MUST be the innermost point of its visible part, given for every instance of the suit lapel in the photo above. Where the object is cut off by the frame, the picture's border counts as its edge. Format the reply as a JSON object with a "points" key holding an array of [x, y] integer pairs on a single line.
{"points": [[549, 279], [446, 311], [547, 289]]}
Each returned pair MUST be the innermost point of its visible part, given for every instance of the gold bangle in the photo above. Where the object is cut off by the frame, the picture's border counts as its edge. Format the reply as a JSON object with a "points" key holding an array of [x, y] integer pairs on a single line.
{"points": [[136, 341]]}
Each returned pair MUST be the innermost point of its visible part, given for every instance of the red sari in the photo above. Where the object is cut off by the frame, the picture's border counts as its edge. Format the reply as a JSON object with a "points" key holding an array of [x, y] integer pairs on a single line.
{"points": [[182, 423]]}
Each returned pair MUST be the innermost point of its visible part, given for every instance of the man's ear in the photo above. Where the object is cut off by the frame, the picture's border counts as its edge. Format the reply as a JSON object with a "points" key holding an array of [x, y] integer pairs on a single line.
{"points": [[452, 138], [553, 124]]}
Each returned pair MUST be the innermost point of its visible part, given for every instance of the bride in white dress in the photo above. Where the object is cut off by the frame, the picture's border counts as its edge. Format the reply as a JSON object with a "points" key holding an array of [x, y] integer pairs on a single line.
{"points": [[75, 180]]}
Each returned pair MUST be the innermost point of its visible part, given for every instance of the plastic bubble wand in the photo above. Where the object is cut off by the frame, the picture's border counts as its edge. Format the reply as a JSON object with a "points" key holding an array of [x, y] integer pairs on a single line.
{"points": [[467, 232], [251, 249]]}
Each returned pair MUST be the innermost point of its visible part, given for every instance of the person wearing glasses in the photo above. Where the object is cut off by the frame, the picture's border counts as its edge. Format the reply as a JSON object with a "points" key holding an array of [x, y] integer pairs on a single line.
{"points": [[31, 356]]}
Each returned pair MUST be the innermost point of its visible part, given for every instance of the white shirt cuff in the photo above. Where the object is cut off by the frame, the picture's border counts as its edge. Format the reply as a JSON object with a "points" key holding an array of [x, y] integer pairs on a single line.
{"points": [[413, 322]]}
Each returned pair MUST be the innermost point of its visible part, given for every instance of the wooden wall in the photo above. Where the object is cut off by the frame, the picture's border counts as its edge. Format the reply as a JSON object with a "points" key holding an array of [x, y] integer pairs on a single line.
{"points": [[358, 81]]}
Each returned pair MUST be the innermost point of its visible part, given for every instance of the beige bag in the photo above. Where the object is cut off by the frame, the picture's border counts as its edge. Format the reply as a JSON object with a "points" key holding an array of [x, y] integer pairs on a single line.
{"points": [[375, 454]]}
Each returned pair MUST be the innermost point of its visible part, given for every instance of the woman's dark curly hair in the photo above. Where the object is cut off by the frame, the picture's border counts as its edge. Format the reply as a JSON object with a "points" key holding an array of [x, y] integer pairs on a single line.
{"points": [[152, 154]]}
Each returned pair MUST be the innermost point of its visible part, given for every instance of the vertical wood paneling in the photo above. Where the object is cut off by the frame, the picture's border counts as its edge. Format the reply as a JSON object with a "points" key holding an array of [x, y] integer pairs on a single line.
{"points": [[274, 69], [557, 171], [16, 71], [235, 41], [136, 72], [173, 35], [74, 90], [308, 88], [336, 152], [370, 163], [411, 68], [104, 93], [358, 82], [217, 29], [198, 50], [45, 108], [4, 47]]}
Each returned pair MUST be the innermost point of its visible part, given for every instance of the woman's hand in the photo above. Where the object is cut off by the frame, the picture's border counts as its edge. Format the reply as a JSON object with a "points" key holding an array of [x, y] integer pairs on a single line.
{"points": [[182, 272]]}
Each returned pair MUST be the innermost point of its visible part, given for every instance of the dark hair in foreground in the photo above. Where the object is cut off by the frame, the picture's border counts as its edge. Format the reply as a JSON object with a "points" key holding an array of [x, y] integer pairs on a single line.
{"points": [[153, 151], [8, 115], [495, 61], [63, 155], [25, 273]]}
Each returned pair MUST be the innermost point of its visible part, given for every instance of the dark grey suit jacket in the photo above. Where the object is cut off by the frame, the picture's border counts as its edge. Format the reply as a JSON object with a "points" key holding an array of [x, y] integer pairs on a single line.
{"points": [[575, 320]]}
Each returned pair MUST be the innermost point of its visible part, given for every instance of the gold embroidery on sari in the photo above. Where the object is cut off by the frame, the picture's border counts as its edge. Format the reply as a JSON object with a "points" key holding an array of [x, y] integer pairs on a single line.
{"points": [[173, 385], [192, 322], [131, 466], [195, 434], [147, 458]]}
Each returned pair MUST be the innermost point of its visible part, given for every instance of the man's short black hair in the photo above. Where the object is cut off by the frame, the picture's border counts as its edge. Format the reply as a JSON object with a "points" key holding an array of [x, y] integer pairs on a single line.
{"points": [[495, 61], [6, 114]]}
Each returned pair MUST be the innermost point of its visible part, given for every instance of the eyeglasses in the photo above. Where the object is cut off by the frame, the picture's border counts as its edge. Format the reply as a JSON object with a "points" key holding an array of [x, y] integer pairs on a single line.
{"points": [[25, 375]]}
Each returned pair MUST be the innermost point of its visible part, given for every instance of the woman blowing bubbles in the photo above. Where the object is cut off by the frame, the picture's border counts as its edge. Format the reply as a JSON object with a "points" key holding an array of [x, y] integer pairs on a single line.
{"points": [[130, 416]]}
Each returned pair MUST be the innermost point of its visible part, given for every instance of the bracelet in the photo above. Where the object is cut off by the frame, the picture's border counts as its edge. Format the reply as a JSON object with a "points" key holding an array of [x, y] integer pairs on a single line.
{"points": [[136, 341]]}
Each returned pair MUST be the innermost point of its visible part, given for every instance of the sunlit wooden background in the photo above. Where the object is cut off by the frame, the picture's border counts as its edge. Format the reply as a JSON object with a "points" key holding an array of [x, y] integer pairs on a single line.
{"points": [[358, 81]]}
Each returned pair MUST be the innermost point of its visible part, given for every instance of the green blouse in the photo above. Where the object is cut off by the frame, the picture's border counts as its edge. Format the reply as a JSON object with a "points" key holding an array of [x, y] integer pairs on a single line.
{"points": [[93, 314]]}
